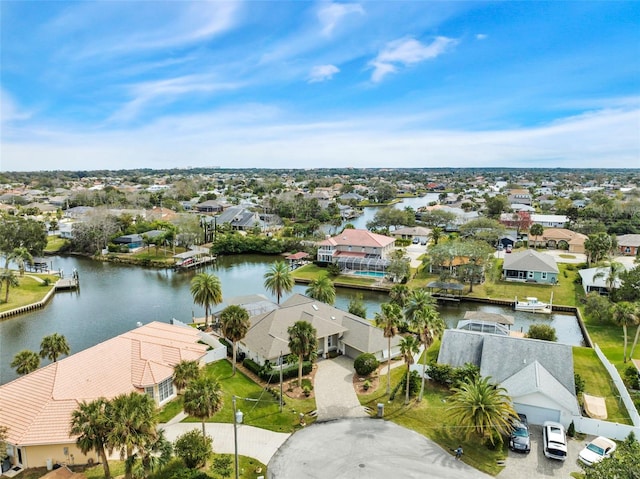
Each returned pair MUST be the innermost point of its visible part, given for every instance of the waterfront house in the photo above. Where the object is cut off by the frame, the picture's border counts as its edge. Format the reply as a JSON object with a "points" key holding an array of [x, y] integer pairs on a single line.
{"points": [[337, 331], [597, 279], [357, 250], [410, 233], [136, 240], [629, 245], [36, 408], [538, 375], [531, 267]]}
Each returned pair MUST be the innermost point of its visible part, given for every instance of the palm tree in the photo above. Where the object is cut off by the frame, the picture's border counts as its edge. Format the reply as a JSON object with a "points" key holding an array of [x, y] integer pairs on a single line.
{"points": [[206, 291], [409, 346], [399, 294], [154, 455], [436, 234], [202, 399], [322, 289], [53, 346], [235, 324], [481, 407], [625, 313], [423, 316], [10, 281], [183, 372], [388, 319], [21, 256], [133, 426], [25, 362], [91, 423], [637, 322], [536, 230], [278, 279], [302, 342], [613, 278]]}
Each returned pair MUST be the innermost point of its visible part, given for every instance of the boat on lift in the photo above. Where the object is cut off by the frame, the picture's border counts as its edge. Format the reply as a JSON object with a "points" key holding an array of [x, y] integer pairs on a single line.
{"points": [[533, 305]]}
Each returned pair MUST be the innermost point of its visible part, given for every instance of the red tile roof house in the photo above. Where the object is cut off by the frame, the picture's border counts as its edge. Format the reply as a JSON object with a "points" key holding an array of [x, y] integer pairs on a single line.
{"points": [[629, 245], [36, 408], [359, 249]]}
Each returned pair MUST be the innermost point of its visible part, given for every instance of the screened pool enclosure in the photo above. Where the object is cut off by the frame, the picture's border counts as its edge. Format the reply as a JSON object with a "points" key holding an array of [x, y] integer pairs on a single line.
{"points": [[351, 263]]}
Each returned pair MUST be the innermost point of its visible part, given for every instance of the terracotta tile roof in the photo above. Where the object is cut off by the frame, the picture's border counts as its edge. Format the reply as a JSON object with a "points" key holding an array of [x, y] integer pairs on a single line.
{"points": [[356, 237], [37, 407]]}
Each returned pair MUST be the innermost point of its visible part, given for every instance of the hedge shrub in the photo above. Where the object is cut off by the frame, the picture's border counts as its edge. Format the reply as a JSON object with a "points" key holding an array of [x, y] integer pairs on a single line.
{"points": [[272, 375], [365, 364]]}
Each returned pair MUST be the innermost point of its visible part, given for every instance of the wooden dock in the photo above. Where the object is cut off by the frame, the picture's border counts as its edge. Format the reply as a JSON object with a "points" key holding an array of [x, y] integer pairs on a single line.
{"points": [[67, 284], [194, 263]]}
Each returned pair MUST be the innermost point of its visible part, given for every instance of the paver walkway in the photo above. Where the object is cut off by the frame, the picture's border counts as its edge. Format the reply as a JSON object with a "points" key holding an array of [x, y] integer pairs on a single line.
{"points": [[335, 396]]}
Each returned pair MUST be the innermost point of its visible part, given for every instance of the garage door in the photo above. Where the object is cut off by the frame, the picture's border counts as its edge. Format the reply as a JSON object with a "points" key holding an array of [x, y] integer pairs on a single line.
{"points": [[537, 415]]}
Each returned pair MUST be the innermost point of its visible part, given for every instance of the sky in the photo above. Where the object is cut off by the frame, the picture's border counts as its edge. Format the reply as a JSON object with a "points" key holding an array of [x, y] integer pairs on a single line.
{"points": [[299, 84]]}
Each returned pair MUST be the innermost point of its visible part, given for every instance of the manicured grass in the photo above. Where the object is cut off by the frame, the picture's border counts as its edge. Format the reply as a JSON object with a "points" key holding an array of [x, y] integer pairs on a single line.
{"points": [[262, 409], [170, 410], [429, 418], [598, 383], [29, 291], [55, 244], [311, 272]]}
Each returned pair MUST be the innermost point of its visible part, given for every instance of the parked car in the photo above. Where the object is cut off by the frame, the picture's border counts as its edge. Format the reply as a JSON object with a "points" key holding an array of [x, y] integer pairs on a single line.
{"points": [[423, 241], [415, 240], [554, 440], [597, 450], [509, 248], [519, 439]]}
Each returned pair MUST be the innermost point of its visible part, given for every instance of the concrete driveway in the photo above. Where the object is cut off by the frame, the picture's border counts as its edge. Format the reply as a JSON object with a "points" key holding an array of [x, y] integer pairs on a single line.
{"points": [[333, 387], [536, 465], [365, 448]]}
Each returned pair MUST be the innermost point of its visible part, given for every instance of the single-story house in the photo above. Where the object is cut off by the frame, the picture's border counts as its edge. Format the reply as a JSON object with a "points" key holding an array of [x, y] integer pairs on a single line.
{"points": [[36, 408], [356, 249], [550, 221], [629, 245], [508, 239], [530, 266], [136, 240], [243, 219], [538, 375], [412, 232], [559, 238], [597, 279], [209, 206], [337, 331]]}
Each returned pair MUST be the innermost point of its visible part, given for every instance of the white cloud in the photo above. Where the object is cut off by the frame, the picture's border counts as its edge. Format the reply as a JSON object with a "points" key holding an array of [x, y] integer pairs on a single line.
{"points": [[261, 136], [321, 73], [482, 36], [407, 51], [9, 110], [330, 15]]}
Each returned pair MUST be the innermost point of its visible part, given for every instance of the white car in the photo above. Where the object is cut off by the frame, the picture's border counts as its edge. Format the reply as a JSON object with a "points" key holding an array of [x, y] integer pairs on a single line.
{"points": [[554, 440], [597, 450]]}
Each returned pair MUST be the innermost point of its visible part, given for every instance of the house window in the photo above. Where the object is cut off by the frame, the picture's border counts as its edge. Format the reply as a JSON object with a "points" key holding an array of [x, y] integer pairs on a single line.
{"points": [[530, 274], [543, 275], [165, 389], [149, 392], [627, 249]]}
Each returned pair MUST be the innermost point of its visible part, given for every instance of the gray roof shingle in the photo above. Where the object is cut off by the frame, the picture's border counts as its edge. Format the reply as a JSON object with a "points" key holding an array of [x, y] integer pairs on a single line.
{"points": [[530, 260]]}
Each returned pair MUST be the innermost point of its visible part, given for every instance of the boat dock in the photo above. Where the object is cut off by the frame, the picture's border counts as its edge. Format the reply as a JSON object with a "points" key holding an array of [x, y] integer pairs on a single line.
{"points": [[67, 284]]}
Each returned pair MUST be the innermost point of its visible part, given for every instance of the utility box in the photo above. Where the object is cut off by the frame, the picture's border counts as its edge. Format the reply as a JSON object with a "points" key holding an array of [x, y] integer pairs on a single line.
{"points": [[49, 464], [380, 409]]}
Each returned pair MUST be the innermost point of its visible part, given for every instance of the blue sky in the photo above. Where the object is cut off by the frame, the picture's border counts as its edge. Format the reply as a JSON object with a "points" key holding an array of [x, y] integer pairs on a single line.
{"points": [[93, 85]]}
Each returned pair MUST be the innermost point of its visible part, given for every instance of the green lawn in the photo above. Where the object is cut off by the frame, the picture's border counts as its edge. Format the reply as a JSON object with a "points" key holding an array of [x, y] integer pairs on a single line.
{"points": [[311, 272], [55, 244], [29, 291], [428, 418], [598, 383], [261, 410]]}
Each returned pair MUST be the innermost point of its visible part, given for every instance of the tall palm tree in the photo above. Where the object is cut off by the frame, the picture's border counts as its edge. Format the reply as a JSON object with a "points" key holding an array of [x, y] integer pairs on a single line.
{"points": [[91, 423], [278, 279], [21, 256], [399, 294], [235, 324], [302, 342], [133, 426], [389, 319], [625, 314], [637, 323], [436, 234], [424, 318], [322, 289], [206, 291], [183, 372], [10, 280], [612, 279], [409, 347], [154, 455], [25, 362], [202, 399], [481, 407], [53, 346]]}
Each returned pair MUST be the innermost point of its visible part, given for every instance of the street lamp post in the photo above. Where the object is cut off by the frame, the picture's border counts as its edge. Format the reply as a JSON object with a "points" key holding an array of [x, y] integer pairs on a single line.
{"points": [[235, 435]]}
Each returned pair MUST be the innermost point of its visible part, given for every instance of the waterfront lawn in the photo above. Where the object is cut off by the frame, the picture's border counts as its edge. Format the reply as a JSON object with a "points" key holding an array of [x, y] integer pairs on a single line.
{"points": [[29, 291], [565, 292], [55, 244], [311, 272], [598, 383], [261, 410], [429, 418]]}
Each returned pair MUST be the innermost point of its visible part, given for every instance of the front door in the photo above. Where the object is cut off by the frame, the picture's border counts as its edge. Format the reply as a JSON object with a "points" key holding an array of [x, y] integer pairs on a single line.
{"points": [[19, 457]]}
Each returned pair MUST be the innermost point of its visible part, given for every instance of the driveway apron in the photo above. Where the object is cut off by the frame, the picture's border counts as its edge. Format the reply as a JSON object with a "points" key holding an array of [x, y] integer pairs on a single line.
{"points": [[335, 396]]}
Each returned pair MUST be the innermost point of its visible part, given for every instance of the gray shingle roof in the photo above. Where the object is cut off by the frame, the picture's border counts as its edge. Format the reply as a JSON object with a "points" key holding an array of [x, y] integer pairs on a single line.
{"points": [[530, 260]]}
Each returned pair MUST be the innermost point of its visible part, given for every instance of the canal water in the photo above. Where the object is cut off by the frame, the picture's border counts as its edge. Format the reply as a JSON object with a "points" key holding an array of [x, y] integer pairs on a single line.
{"points": [[113, 298]]}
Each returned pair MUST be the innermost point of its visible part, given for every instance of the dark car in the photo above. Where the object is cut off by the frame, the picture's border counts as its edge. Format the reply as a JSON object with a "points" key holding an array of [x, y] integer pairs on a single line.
{"points": [[519, 439]]}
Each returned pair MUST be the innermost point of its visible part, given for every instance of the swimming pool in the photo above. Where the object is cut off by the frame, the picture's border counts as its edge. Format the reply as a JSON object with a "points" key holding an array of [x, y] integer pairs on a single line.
{"points": [[373, 274]]}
